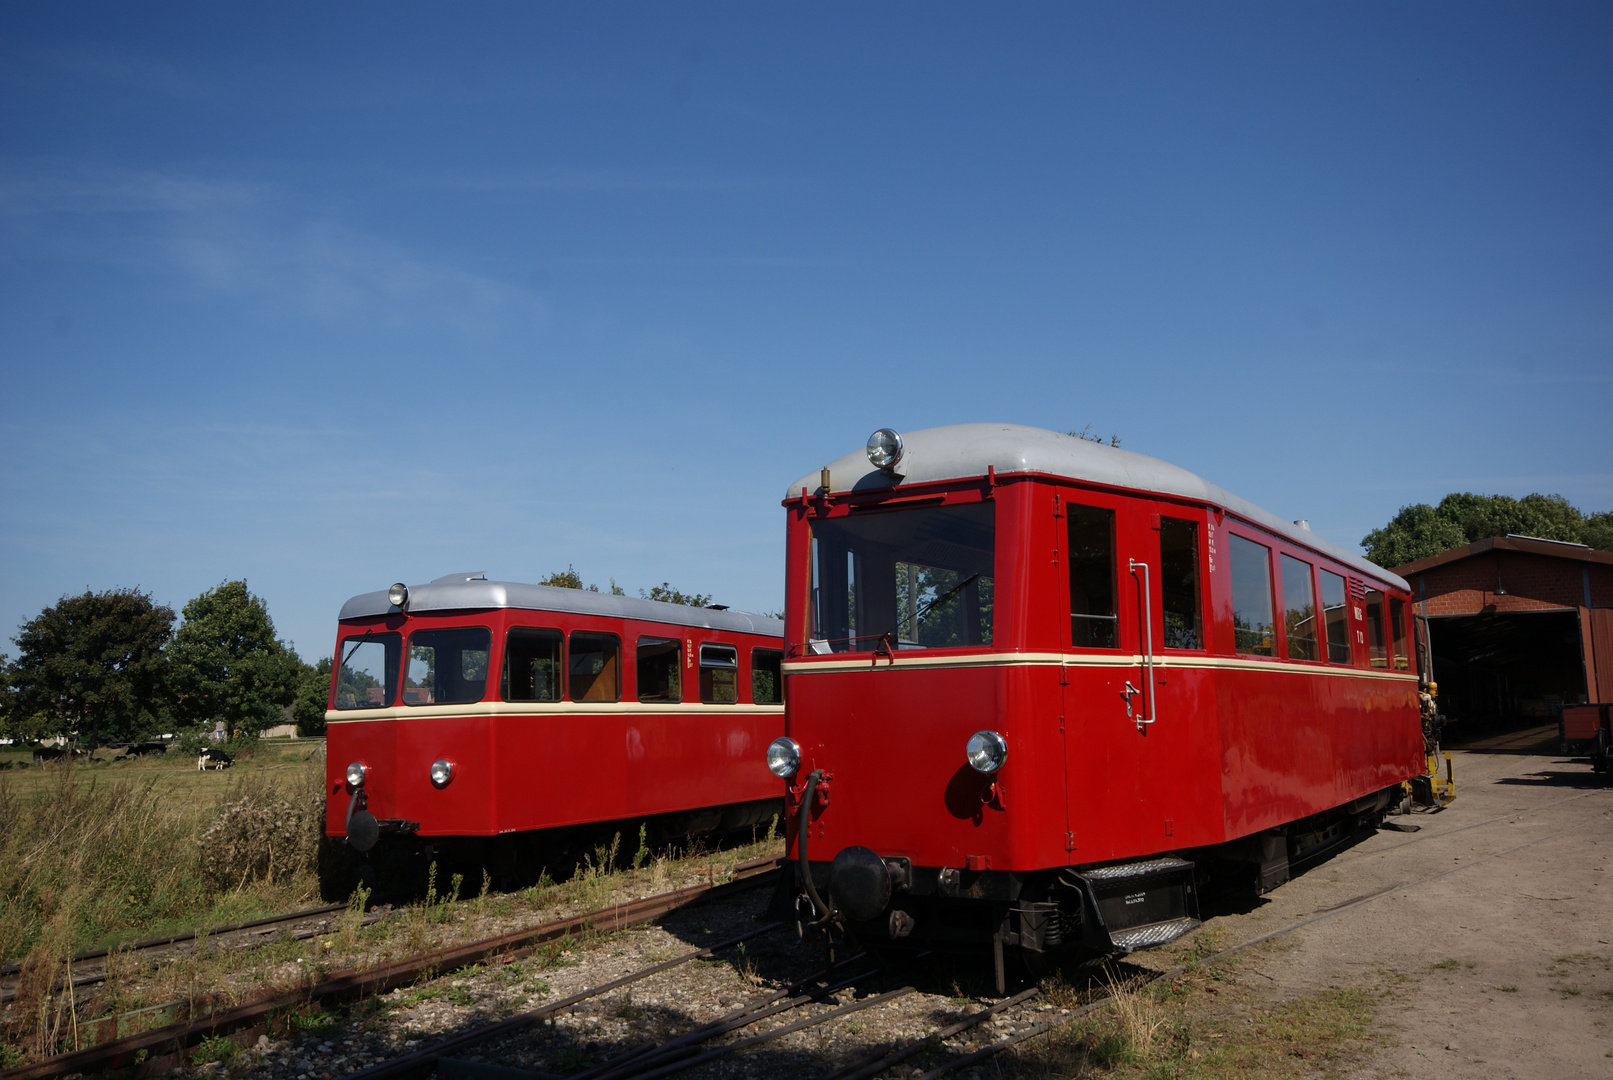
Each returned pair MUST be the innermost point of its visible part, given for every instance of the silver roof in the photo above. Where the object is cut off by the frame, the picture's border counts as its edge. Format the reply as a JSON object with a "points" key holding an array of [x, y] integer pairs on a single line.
{"points": [[959, 451], [473, 592]]}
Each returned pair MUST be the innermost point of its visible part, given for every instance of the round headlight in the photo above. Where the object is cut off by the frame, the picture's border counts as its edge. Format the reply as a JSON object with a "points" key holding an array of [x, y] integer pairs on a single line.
{"points": [[442, 771], [398, 595], [986, 751], [783, 757], [884, 448], [355, 774]]}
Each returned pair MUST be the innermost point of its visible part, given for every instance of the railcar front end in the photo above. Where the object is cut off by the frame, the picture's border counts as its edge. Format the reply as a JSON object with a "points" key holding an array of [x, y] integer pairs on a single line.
{"points": [[492, 723], [1033, 681]]}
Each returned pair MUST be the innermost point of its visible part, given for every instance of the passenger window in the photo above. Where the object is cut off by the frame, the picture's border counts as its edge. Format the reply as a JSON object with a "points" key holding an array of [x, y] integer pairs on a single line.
{"points": [[660, 669], [1397, 627], [1377, 650], [1251, 597], [531, 665], [767, 677], [1335, 612], [595, 671], [1179, 582], [447, 667], [1093, 622], [1299, 609], [719, 674], [368, 678]]}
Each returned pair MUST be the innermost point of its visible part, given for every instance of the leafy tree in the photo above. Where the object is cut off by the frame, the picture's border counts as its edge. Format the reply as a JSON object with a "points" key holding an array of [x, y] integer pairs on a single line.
{"points": [[313, 691], [228, 665], [570, 579], [93, 664], [1086, 434], [1420, 530], [667, 594]]}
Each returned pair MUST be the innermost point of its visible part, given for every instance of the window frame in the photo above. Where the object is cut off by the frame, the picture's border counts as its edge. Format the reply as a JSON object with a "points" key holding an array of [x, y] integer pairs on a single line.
{"points": [[571, 653], [408, 644], [390, 693], [1317, 641], [1200, 579], [1349, 638], [659, 642], [561, 672], [1273, 596], [1082, 500], [702, 667], [776, 667]]}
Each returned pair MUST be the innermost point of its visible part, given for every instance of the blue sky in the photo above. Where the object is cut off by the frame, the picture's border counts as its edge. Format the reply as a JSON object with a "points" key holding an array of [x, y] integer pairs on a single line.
{"points": [[328, 296]]}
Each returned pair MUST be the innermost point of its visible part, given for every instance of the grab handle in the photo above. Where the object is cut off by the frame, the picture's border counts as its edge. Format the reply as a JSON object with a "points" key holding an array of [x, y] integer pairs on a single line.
{"points": [[1149, 690]]}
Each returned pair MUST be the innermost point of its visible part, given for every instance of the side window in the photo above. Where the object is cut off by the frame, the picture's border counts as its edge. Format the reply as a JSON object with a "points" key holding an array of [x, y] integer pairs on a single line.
{"points": [[1377, 647], [1335, 611], [447, 667], [1179, 582], [1251, 597], [531, 665], [719, 674], [1397, 627], [595, 667], [1093, 622], [368, 676], [1299, 609], [660, 669], [767, 676]]}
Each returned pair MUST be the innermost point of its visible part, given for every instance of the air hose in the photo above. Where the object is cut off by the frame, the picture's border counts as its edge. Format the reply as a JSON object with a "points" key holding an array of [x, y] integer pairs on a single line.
{"points": [[803, 823]]}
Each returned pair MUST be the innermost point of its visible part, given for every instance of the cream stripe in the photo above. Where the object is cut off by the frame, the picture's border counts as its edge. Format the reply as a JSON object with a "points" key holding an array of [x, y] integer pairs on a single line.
{"points": [[807, 667], [538, 708]]}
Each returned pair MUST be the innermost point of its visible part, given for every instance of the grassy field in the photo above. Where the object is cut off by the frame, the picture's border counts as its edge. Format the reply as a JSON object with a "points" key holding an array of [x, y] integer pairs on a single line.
{"points": [[101, 851]]}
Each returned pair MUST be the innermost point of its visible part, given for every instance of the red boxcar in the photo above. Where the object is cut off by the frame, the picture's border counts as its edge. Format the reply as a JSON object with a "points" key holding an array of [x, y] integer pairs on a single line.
{"points": [[1033, 680], [467, 710]]}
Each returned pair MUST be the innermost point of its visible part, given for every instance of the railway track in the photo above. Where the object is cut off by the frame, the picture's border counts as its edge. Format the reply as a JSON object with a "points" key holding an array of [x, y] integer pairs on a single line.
{"points": [[89, 968], [160, 1046]]}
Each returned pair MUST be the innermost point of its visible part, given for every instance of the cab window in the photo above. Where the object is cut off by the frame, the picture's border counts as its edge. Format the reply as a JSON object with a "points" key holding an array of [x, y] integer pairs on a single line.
{"points": [[447, 667], [660, 667], [594, 667], [1397, 627], [1251, 597], [719, 674], [1377, 647], [1179, 582], [368, 676], [1335, 612], [1094, 623], [531, 665]]}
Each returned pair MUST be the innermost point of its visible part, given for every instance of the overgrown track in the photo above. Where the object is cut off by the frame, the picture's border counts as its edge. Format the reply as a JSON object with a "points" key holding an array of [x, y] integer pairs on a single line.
{"points": [[89, 967], [150, 1049]]}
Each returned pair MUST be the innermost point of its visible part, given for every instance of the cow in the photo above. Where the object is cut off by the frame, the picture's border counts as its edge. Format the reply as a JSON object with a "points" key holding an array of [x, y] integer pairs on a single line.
{"points": [[213, 758], [43, 753], [139, 749]]}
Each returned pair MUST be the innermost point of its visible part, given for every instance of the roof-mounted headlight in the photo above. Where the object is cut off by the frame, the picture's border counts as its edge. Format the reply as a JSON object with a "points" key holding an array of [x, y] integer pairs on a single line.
{"points": [[986, 751], [783, 757], [398, 595], [884, 449]]}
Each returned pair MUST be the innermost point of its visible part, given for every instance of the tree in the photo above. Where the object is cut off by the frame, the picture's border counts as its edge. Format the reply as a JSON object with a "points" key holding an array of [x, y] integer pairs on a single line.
{"points": [[1420, 530], [667, 594], [1086, 435], [313, 692], [228, 665], [93, 664], [570, 579]]}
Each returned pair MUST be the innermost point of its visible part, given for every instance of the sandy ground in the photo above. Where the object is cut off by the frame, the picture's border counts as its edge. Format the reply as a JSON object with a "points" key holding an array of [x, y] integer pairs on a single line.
{"points": [[1502, 967]]}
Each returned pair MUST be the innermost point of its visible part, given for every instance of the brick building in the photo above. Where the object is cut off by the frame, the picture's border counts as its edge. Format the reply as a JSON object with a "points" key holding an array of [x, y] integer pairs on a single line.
{"points": [[1517, 627]]}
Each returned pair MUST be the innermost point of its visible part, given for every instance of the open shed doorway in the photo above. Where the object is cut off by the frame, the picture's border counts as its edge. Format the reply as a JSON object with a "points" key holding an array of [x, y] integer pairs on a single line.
{"points": [[1500, 672]]}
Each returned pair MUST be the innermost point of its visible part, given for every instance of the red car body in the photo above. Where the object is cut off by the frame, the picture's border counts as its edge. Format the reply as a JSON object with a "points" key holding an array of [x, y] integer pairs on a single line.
{"points": [[431, 682], [1117, 753]]}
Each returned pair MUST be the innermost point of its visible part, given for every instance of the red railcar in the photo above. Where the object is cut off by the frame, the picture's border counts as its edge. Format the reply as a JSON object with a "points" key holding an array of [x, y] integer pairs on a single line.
{"points": [[467, 715], [1034, 680]]}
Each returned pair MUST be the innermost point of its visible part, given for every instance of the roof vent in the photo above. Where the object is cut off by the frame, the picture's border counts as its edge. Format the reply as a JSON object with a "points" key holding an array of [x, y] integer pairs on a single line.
{"points": [[469, 575], [1303, 523]]}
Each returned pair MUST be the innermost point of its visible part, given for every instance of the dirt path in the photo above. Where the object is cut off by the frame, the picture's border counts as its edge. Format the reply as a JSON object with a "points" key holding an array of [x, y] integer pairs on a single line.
{"points": [[1501, 968]]}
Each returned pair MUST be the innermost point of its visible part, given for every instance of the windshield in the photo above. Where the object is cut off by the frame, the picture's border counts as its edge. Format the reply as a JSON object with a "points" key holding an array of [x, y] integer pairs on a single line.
{"points": [[919, 578], [368, 676]]}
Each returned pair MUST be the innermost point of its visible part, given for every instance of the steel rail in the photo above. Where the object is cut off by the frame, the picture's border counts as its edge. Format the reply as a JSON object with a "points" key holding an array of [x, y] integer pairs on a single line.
{"points": [[347, 986]]}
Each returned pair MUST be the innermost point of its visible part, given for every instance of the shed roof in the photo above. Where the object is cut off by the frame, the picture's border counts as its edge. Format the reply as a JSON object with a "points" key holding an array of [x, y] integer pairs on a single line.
{"points": [[473, 592], [958, 451], [1526, 545]]}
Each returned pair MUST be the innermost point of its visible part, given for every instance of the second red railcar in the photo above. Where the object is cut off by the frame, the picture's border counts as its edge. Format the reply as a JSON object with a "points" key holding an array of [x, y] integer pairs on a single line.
{"points": [[468, 716]]}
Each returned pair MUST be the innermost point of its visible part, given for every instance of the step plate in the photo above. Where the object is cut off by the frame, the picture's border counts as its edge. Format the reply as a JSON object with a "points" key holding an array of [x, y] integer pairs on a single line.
{"points": [[1153, 934]]}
